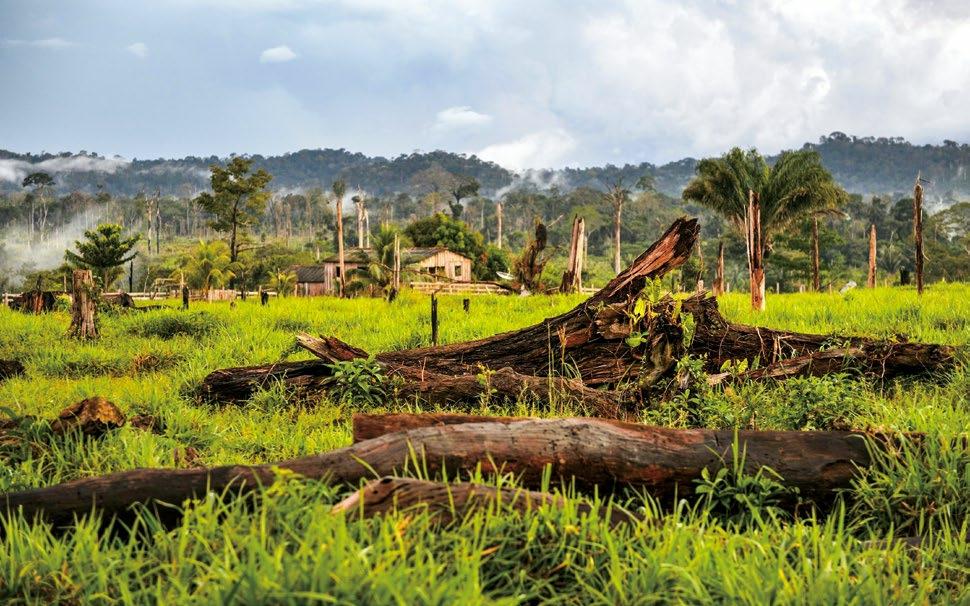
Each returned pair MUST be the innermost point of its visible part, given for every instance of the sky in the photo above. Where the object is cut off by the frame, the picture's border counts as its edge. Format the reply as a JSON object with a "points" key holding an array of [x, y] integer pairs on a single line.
{"points": [[524, 83]]}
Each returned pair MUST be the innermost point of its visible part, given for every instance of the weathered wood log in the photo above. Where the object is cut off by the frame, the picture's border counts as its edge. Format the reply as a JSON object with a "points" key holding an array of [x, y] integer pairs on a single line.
{"points": [[448, 502], [721, 341], [591, 452], [238, 384], [370, 426], [91, 416]]}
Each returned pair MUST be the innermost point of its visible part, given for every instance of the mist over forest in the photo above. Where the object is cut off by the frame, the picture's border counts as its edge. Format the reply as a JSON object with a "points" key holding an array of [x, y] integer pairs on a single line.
{"points": [[864, 165]]}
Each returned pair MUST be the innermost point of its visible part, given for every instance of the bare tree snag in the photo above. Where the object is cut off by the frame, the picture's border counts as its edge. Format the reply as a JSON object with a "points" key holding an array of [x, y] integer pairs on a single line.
{"points": [[871, 279], [816, 278], [718, 286], [721, 341], [756, 249], [572, 277], [918, 232], [370, 426], [83, 306], [498, 227], [528, 266], [617, 195], [450, 502], [593, 452]]}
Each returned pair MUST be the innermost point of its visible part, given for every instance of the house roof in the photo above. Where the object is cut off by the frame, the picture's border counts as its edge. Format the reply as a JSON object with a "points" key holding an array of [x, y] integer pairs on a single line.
{"points": [[309, 273]]}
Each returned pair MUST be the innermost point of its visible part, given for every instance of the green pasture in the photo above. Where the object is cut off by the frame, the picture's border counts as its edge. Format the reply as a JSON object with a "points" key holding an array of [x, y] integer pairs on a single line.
{"points": [[283, 546]]}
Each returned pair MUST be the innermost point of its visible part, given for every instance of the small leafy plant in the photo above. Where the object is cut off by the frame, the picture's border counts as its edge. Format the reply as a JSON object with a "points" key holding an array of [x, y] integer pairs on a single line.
{"points": [[359, 381]]}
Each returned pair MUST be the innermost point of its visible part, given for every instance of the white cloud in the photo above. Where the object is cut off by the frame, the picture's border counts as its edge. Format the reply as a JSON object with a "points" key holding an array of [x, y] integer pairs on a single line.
{"points": [[138, 49], [540, 149], [49, 43], [277, 54], [459, 117]]}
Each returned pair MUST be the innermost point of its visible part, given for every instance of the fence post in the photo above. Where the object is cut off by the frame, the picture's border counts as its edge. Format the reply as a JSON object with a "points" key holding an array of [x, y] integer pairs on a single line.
{"points": [[466, 304], [434, 319]]}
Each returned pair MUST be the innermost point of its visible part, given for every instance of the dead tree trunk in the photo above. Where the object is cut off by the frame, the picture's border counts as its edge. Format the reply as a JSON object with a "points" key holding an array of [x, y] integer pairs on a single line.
{"points": [[35, 302], [504, 384], [450, 502], [593, 452], [83, 306], [871, 279], [498, 227], [342, 278], [721, 341], [755, 251], [718, 286], [918, 232], [572, 277], [816, 278]]}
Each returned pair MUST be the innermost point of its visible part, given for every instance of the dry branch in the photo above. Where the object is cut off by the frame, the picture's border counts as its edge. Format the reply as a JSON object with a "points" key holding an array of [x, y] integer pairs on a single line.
{"points": [[592, 452]]}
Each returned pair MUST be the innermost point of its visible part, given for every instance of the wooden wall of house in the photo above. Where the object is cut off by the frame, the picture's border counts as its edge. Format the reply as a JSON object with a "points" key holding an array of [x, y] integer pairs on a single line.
{"points": [[456, 267]]}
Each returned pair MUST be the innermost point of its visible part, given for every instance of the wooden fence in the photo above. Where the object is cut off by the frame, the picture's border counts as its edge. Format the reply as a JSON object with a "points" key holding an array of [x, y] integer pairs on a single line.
{"points": [[459, 288]]}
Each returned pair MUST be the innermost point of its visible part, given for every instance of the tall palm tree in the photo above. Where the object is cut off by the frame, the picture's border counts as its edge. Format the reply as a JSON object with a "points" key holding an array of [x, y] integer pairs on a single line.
{"points": [[760, 200], [339, 188]]}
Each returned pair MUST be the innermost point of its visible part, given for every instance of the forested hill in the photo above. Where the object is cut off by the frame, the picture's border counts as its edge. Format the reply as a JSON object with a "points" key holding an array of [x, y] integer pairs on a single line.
{"points": [[861, 164]]}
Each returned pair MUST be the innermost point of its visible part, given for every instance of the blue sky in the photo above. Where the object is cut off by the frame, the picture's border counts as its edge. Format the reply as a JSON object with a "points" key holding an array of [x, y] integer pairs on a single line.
{"points": [[525, 83]]}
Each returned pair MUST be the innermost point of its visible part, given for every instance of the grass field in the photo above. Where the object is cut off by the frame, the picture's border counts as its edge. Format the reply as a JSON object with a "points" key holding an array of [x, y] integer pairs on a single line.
{"points": [[284, 546]]}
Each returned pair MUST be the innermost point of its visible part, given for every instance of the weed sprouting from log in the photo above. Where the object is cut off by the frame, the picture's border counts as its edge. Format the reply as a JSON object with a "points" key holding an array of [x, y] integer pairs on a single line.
{"points": [[361, 382]]}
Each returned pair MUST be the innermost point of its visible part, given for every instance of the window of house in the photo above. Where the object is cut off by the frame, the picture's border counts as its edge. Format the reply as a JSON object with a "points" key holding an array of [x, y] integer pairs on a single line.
{"points": [[457, 271], [336, 271]]}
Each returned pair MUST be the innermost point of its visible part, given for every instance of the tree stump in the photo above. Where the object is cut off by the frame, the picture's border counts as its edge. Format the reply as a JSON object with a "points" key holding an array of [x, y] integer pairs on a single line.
{"points": [[83, 307]]}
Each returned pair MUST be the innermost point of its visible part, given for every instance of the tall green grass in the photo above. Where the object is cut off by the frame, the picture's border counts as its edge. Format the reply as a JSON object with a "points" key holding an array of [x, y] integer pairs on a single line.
{"points": [[283, 545]]}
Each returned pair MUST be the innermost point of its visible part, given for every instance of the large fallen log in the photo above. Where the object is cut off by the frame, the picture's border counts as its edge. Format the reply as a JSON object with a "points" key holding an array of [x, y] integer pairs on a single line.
{"points": [[720, 341], [589, 452], [447, 502], [370, 426], [311, 377]]}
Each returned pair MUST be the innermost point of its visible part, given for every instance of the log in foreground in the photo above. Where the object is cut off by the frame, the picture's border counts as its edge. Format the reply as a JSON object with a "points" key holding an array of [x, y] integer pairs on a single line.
{"points": [[589, 452], [447, 502], [370, 426]]}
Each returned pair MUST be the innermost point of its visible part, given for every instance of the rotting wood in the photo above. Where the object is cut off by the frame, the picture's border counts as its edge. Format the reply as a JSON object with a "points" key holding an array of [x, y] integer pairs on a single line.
{"points": [[370, 426], [720, 341], [589, 452], [238, 384], [448, 502]]}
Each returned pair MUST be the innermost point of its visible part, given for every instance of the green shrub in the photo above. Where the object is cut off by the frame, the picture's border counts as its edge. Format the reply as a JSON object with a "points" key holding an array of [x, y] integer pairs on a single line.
{"points": [[167, 324]]}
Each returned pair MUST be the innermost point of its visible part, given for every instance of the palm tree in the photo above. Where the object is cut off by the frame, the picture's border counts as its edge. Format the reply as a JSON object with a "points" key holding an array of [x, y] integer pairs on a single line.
{"points": [[760, 200], [378, 274], [283, 282], [209, 266], [339, 188]]}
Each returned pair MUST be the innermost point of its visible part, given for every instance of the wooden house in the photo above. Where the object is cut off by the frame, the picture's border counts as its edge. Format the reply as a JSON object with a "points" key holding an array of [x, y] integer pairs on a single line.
{"points": [[432, 264]]}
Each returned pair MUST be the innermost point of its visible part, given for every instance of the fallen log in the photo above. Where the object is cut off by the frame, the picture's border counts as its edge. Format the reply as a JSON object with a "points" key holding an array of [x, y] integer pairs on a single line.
{"points": [[720, 341], [590, 452], [370, 426], [312, 377], [448, 502]]}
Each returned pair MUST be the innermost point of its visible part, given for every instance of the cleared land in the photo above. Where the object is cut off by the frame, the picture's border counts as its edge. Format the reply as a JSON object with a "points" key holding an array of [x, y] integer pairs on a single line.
{"points": [[285, 546]]}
